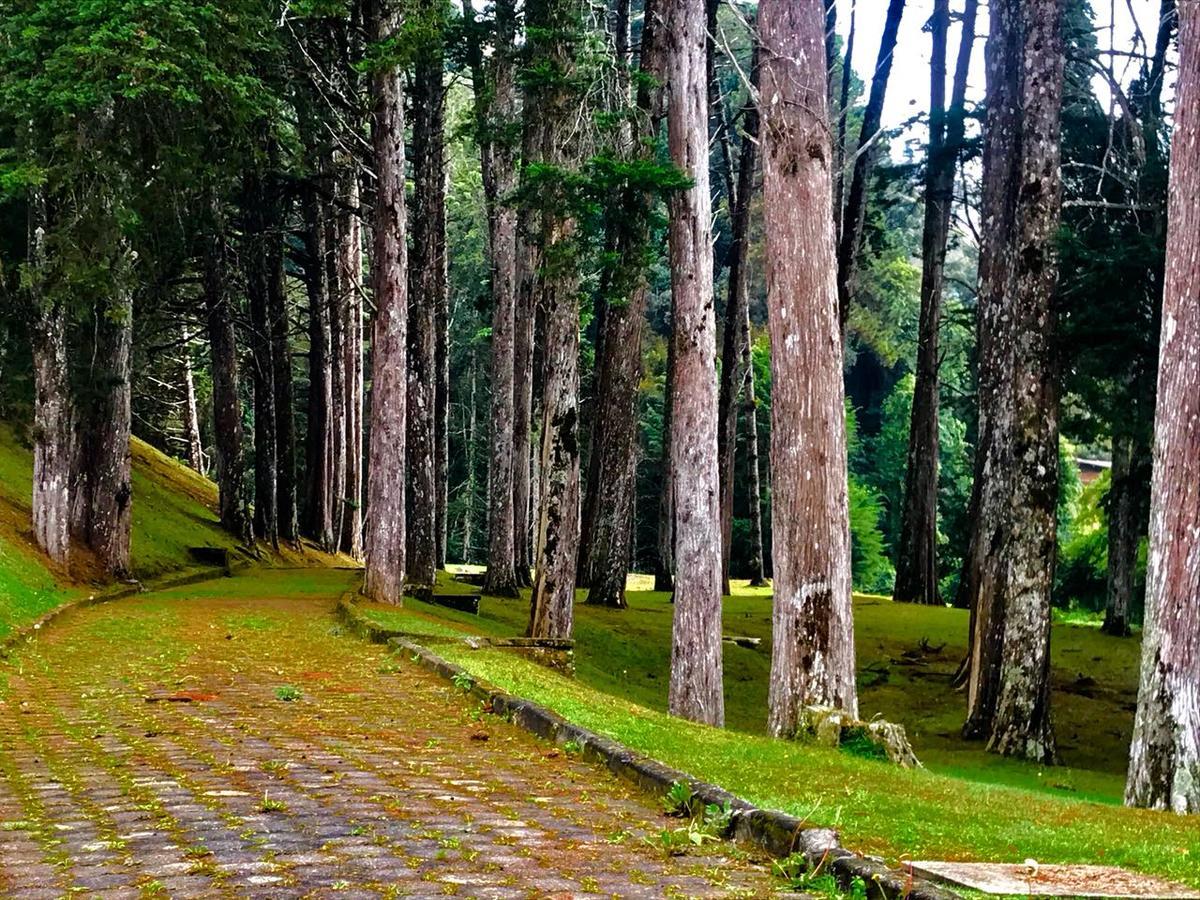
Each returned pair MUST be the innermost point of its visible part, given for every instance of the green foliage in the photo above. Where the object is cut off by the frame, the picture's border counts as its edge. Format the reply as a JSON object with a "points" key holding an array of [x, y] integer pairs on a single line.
{"points": [[288, 693]]}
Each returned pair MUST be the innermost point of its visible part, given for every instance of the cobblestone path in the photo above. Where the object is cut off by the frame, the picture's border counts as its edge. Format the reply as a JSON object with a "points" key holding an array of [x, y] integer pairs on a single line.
{"points": [[226, 740]]}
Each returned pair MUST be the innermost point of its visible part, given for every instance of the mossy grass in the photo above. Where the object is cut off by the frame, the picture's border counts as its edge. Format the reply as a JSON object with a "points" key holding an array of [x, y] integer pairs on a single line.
{"points": [[967, 804]]}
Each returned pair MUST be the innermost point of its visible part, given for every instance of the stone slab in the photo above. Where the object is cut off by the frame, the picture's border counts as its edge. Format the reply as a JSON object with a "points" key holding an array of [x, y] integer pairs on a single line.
{"points": [[1031, 879]]}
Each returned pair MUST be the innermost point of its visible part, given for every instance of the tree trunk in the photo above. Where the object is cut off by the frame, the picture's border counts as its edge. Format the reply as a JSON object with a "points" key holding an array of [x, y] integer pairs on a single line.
{"points": [[620, 365], [52, 450], [1016, 519], [856, 203], [385, 542], [319, 438], [552, 25], [103, 490], [696, 690], [496, 104], [1123, 535], [468, 555], [843, 120], [916, 559], [664, 557], [427, 285], [227, 404], [260, 236], [285, 415], [758, 575], [191, 414], [350, 262], [1164, 765], [735, 348], [812, 657], [528, 288], [442, 399]]}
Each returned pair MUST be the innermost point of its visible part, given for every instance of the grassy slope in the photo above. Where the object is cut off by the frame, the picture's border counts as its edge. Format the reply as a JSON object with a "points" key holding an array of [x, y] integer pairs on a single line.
{"points": [[969, 804], [173, 509]]}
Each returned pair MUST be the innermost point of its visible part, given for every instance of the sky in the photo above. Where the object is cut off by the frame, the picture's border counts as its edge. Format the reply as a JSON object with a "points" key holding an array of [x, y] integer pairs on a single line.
{"points": [[908, 87]]}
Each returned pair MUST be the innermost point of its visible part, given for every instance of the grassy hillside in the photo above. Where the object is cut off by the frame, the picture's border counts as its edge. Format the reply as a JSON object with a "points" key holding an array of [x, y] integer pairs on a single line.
{"points": [[907, 656], [174, 508]]}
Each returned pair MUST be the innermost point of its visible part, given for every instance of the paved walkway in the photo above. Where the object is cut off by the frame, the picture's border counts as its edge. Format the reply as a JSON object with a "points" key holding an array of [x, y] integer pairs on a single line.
{"points": [[234, 743]]}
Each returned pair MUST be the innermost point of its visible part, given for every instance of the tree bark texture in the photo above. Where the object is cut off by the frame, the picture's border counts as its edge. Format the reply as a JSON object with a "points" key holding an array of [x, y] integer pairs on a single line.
{"points": [[260, 235], [227, 404], [1015, 522], [735, 355], [855, 212], [616, 427], [1164, 765], [52, 415], [696, 690], [916, 558], [350, 263], [102, 495], [812, 656], [285, 392], [499, 121], [385, 541], [1124, 531], [319, 438], [427, 286], [191, 412], [553, 25]]}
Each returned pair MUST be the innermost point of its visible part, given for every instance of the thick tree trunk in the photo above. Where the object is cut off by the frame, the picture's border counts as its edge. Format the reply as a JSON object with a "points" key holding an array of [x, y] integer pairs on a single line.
{"points": [[1164, 765], [191, 413], [427, 285], [497, 111], [102, 495], [735, 372], [812, 657], [350, 262], [916, 558], [319, 438], [696, 690], [1016, 518], [856, 203], [227, 404], [552, 25], [52, 426], [385, 542], [1123, 533], [664, 557]]}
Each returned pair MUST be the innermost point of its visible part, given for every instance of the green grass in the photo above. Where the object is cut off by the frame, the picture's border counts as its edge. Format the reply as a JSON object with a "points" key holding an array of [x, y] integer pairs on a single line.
{"points": [[966, 804], [173, 510]]}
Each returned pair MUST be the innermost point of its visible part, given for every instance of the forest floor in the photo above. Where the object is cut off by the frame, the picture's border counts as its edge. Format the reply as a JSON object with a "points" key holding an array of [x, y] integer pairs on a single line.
{"points": [[967, 804], [225, 738]]}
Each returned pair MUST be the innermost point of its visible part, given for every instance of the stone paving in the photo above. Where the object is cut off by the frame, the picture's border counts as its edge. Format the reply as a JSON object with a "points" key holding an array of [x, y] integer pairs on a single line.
{"points": [[227, 740]]}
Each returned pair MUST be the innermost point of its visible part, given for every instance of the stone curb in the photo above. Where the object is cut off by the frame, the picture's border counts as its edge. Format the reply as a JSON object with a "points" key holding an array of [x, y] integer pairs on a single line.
{"points": [[28, 632], [772, 831]]}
